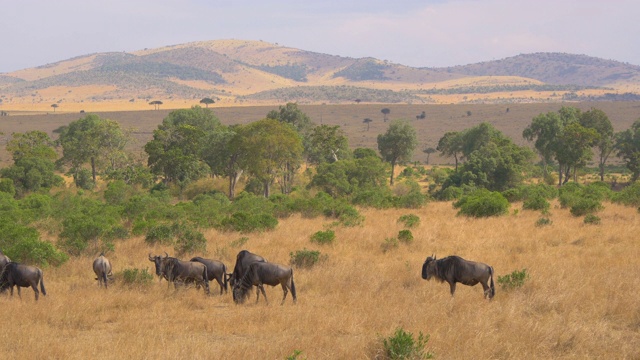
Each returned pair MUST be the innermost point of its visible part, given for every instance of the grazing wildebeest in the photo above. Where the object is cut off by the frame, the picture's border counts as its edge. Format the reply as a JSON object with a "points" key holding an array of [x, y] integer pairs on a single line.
{"points": [[186, 271], [102, 268], [20, 275], [260, 273], [454, 269], [243, 260], [215, 270]]}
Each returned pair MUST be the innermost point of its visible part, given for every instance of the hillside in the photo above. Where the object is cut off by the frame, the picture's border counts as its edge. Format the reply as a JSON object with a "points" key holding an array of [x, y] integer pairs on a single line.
{"points": [[257, 72]]}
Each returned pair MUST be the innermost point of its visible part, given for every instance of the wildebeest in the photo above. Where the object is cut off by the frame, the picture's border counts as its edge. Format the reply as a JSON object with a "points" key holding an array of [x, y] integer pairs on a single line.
{"points": [[454, 269], [243, 260], [158, 261], [4, 260], [178, 270], [20, 275], [102, 268], [215, 270], [260, 273]]}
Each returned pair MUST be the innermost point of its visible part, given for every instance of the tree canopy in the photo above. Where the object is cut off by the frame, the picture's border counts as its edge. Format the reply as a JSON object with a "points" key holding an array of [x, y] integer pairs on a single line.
{"points": [[396, 145]]}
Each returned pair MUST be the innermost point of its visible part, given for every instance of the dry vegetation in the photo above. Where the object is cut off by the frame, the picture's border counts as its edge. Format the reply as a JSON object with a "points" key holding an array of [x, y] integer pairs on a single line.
{"points": [[581, 300]]}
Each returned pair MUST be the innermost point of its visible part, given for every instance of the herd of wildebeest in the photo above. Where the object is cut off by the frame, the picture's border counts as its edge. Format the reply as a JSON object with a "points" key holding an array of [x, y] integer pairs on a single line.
{"points": [[250, 270]]}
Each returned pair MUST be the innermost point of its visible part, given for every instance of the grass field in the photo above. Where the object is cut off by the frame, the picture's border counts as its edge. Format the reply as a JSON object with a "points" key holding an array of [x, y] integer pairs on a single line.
{"points": [[581, 300]]}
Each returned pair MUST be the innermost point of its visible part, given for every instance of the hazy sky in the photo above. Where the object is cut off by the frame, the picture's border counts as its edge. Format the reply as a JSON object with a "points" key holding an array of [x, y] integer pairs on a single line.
{"points": [[417, 33]]}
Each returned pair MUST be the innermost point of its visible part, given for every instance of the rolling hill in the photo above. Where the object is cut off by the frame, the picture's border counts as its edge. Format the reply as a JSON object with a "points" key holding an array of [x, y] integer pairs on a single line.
{"points": [[257, 72]]}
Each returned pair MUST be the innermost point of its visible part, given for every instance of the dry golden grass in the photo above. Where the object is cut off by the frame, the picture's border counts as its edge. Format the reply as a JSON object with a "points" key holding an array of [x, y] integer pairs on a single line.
{"points": [[581, 300]]}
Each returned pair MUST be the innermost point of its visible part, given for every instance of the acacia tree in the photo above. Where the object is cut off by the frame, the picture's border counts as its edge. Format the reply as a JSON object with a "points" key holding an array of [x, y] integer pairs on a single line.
{"points": [[544, 129], [450, 144], [175, 152], [429, 151], [368, 122], [396, 145], [156, 104], [627, 148], [54, 106], [326, 144], [91, 139], [385, 112], [206, 101], [599, 121], [275, 148]]}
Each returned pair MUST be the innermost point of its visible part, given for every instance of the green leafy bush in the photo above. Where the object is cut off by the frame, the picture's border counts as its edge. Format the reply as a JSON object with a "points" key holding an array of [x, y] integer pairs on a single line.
{"points": [[323, 237], [83, 179], [135, 276], [482, 203], [592, 219], [536, 202], [22, 244], [543, 221], [161, 233], [402, 345], [6, 186], [305, 258], [409, 220], [514, 280], [585, 205], [405, 236], [189, 240], [245, 222], [629, 196]]}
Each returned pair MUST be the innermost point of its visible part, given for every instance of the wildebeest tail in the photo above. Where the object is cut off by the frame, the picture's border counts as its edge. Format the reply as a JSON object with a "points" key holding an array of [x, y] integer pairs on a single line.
{"points": [[44, 292], [492, 288], [104, 274], [224, 278], [293, 288]]}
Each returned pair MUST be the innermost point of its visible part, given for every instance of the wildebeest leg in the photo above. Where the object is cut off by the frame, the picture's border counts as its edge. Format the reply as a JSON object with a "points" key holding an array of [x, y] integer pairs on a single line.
{"points": [[285, 290], [263, 293], [485, 287], [221, 284], [35, 289], [453, 287], [19, 294]]}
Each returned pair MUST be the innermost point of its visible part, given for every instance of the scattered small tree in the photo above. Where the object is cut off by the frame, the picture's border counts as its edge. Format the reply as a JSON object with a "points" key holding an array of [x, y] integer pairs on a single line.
{"points": [[54, 106], [368, 122], [156, 104], [385, 112], [206, 101], [429, 151]]}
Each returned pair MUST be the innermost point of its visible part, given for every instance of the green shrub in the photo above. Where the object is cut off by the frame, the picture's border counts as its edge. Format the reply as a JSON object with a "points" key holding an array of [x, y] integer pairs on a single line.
{"points": [[585, 205], [543, 221], [139, 277], [304, 258], [537, 202], [405, 236], [389, 244], [245, 222], [323, 237], [6, 186], [402, 345], [22, 244], [629, 196], [83, 179], [294, 355], [189, 240], [450, 193], [514, 280], [378, 198], [592, 219], [482, 203], [409, 220], [161, 233], [116, 192]]}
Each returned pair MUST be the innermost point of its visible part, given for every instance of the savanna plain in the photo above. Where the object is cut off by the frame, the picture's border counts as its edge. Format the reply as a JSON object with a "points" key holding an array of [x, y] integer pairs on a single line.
{"points": [[580, 300]]}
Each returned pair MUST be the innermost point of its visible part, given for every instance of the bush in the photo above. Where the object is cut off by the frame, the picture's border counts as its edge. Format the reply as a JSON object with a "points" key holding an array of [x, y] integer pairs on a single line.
{"points": [[409, 220], [22, 244], [389, 244], [116, 192], [592, 219], [189, 240], [405, 236], [482, 203], [514, 280], [305, 258], [402, 345], [248, 222], [161, 233], [536, 202], [585, 205], [83, 179], [6, 186], [629, 196], [135, 277], [543, 221], [323, 237]]}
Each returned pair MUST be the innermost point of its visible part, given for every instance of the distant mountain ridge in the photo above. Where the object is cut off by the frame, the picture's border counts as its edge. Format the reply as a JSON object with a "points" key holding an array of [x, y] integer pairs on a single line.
{"points": [[249, 71]]}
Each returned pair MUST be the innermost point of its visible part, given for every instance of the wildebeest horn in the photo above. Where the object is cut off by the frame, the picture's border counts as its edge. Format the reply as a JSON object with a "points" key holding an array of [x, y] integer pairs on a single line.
{"points": [[166, 255], [150, 258]]}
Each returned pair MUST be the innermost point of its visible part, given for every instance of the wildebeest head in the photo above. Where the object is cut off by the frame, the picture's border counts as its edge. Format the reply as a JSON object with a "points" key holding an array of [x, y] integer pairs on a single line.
{"points": [[158, 261], [429, 267]]}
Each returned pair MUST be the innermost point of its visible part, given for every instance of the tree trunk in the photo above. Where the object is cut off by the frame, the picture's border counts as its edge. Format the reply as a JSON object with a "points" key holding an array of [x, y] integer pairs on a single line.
{"points": [[393, 167], [93, 168], [266, 188], [559, 174]]}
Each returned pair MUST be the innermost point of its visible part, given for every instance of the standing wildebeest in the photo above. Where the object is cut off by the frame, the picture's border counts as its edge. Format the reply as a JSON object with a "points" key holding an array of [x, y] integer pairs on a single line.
{"points": [[243, 260], [454, 269], [177, 270], [19, 275], [4, 260], [102, 268], [159, 261], [260, 273], [215, 270]]}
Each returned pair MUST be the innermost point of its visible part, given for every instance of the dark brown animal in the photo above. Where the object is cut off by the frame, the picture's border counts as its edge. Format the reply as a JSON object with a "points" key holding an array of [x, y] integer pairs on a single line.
{"points": [[20, 275], [260, 273], [243, 260], [454, 269], [4, 260], [102, 268], [158, 261], [179, 271], [215, 270]]}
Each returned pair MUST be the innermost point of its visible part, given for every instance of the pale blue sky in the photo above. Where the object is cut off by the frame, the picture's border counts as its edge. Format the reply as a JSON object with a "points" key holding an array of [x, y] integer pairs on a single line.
{"points": [[424, 33]]}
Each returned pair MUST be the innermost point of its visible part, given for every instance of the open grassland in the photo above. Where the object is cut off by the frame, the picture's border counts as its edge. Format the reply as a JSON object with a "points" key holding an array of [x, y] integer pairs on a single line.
{"points": [[581, 300], [511, 119]]}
